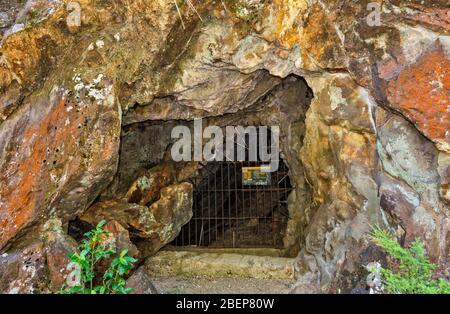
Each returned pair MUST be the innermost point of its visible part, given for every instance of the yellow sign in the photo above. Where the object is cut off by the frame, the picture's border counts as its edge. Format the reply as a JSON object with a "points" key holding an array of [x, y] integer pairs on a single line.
{"points": [[256, 175]]}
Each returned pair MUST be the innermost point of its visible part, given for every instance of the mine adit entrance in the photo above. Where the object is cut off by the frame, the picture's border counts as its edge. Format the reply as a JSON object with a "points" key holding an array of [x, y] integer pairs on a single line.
{"points": [[239, 205], [255, 215]]}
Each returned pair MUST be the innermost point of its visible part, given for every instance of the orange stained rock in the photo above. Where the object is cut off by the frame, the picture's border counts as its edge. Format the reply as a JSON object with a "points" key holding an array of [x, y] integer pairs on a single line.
{"points": [[22, 196], [422, 93], [53, 145], [282, 22]]}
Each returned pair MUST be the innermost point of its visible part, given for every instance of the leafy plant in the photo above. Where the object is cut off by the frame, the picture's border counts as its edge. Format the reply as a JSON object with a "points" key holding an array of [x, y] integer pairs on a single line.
{"points": [[414, 272], [93, 250]]}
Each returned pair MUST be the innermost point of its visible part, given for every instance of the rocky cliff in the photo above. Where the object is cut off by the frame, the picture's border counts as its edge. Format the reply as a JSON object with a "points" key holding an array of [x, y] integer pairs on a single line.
{"points": [[370, 146]]}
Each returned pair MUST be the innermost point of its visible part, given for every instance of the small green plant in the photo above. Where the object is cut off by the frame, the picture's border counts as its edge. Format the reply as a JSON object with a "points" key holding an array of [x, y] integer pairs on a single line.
{"points": [[414, 272], [94, 249]]}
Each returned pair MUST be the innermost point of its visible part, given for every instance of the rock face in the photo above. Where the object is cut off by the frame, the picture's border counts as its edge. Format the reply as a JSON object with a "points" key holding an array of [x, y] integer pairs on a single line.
{"points": [[119, 238], [38, 262], [373, 147], [141, 283], [158, 224], [23, 270], [55, 148], [146, 189]]}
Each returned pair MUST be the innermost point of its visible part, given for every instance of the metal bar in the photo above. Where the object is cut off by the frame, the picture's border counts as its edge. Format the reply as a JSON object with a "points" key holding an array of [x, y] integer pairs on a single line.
{"points": [[189, 233], [222, 202], [200, 242], [215, 205], [286, 194], [196, 240], [242, 205], [236, 225], [209, 210], [258, 188], [273, 224]]}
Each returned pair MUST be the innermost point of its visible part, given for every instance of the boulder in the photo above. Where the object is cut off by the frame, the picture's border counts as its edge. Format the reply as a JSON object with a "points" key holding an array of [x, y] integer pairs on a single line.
{"points": [[119, 238], [158, 224], [58, 247], [55, 158], [146, 189], [172, 211], [126, 214], [38, 262], [22, 269], [141, 283]]}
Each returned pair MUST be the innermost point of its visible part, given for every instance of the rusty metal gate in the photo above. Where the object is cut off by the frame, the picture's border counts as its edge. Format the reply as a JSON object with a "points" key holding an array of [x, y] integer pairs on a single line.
{"points": [[236, 206]]}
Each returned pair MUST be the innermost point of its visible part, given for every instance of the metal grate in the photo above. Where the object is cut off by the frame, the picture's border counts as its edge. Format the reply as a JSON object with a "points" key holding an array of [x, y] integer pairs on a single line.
{"points": [[230, 213]]}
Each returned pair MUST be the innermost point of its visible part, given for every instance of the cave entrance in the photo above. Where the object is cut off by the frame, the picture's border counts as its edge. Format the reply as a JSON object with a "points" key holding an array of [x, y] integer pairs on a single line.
{"points": [[238, 205], [253, 218]]}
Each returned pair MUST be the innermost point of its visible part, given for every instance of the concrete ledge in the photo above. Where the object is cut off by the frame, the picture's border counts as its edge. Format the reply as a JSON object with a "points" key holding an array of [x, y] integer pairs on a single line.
{"points": [[242, 251], [191, 264]]}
